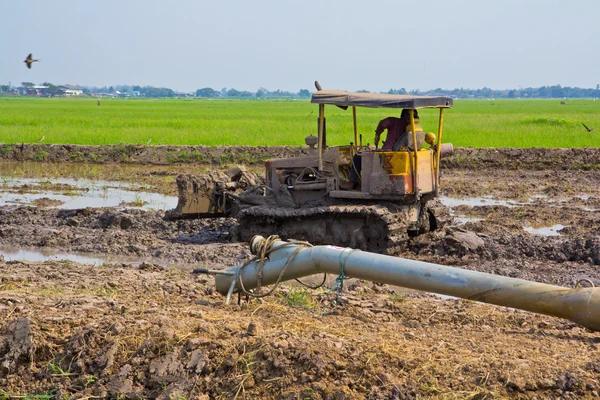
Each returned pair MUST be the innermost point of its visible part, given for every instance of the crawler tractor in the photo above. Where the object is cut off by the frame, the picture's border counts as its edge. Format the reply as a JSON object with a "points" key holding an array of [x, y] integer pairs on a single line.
{"points": [[310, 197]]}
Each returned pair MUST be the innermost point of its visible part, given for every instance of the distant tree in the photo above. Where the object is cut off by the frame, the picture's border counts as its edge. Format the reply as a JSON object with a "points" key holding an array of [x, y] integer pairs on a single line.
{"points": [[397, 91], [233, 93], [304, 93], [556, 91], [239, 94], [5, 88], [280, 94], [362, 91], [485, 93], [124, 88], [207, 92], [52, 89], [150, 91], [27, 84], [544, 91], [261, 92]]}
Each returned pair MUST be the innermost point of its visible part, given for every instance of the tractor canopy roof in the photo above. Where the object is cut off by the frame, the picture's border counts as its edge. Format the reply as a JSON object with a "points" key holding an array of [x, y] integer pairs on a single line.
{"points": [[379, 100]]}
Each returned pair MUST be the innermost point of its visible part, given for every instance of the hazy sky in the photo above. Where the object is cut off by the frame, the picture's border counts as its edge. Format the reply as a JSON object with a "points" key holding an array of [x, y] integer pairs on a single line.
{"points": [[348, 44]]}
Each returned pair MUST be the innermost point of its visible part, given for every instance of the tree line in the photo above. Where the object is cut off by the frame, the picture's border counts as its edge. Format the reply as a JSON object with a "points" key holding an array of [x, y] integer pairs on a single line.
{"points": [[544, 92], [556, 91]]}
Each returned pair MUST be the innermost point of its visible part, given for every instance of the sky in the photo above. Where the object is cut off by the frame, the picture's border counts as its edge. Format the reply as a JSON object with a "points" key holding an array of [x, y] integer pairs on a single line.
{"points": [[373, 45]]}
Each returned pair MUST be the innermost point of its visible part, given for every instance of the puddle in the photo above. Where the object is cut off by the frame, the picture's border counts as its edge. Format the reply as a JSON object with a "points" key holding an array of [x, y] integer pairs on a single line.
{"points": [[13, 253], [477, 202], [82, 193], [464, 220], [546, 230]]}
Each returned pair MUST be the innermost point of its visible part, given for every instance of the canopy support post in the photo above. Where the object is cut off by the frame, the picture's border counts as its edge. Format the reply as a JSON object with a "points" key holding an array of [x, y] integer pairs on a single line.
{"points": [[416, 164], [355, 127], [438, 150], [321, 117]]}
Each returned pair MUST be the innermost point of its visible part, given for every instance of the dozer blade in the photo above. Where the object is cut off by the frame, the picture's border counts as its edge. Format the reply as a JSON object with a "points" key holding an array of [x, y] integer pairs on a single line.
{"points": [[196, 199], [210, 195]]}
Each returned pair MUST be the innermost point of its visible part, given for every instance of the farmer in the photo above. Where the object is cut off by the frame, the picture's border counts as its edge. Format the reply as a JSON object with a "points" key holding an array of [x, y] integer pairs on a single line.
{"points": [[398, 131], [399, 135]]}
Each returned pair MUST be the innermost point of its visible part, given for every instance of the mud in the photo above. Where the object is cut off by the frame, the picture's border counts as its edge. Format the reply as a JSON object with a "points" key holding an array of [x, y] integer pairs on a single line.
{"points": [[70, 330], [464, 157], [138, 154], [123, 232]]}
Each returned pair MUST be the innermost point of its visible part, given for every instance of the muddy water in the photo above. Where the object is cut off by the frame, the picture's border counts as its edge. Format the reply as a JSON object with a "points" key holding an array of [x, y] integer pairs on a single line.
{"points": [[34, 254], [161, 178], [553, 230], [67, 193], [14, 253], [452, 202]]}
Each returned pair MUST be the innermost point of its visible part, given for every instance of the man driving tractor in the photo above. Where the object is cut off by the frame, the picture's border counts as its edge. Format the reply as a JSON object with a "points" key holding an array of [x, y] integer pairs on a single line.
{"points": [[397, 129], [399, 135]]}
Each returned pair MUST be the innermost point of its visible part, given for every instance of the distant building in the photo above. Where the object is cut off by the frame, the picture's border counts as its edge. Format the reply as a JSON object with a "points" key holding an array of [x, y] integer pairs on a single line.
{"points": [[70, 90], [37, 90]]}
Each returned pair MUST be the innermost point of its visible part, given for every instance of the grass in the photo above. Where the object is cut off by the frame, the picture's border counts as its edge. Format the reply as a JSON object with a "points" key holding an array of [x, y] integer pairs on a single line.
{"points": [[4, 395], [298, 298], [476, 123]]}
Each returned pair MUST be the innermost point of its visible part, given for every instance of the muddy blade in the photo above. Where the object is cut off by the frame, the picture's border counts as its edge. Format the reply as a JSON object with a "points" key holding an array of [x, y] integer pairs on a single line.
{"points": [[195, 199], [377, 229]]}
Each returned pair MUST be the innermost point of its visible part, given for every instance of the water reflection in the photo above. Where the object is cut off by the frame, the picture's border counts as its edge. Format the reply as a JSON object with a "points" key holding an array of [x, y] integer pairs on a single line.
{"points": [[12, 253], [82, 193], [477, 202], [545, 230], [35, 254]]}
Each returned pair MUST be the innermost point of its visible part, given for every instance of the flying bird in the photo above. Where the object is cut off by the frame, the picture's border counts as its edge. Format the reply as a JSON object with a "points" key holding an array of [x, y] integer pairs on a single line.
{"points": [[29, 60], [586, 128]]}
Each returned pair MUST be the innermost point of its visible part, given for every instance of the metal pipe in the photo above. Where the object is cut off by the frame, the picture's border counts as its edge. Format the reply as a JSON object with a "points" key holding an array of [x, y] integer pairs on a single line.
{"points": [[309, 186], [321, 117], [355, 126], [580, 305]]}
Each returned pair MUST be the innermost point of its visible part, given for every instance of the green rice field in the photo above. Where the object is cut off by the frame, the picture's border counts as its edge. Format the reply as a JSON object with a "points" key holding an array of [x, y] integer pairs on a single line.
{"points": [[475, 123]]}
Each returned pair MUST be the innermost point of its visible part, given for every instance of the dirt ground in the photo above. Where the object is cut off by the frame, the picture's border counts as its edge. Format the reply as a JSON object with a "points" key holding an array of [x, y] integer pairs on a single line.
{"points": [[73, 331]]}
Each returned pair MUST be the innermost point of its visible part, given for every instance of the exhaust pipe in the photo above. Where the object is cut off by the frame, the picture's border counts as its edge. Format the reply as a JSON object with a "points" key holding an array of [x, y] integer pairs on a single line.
{"points": [[580, 305]]}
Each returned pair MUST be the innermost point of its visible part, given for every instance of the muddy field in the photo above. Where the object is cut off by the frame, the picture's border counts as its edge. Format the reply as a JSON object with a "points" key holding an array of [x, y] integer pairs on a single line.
{"points": [[138, 324]]}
